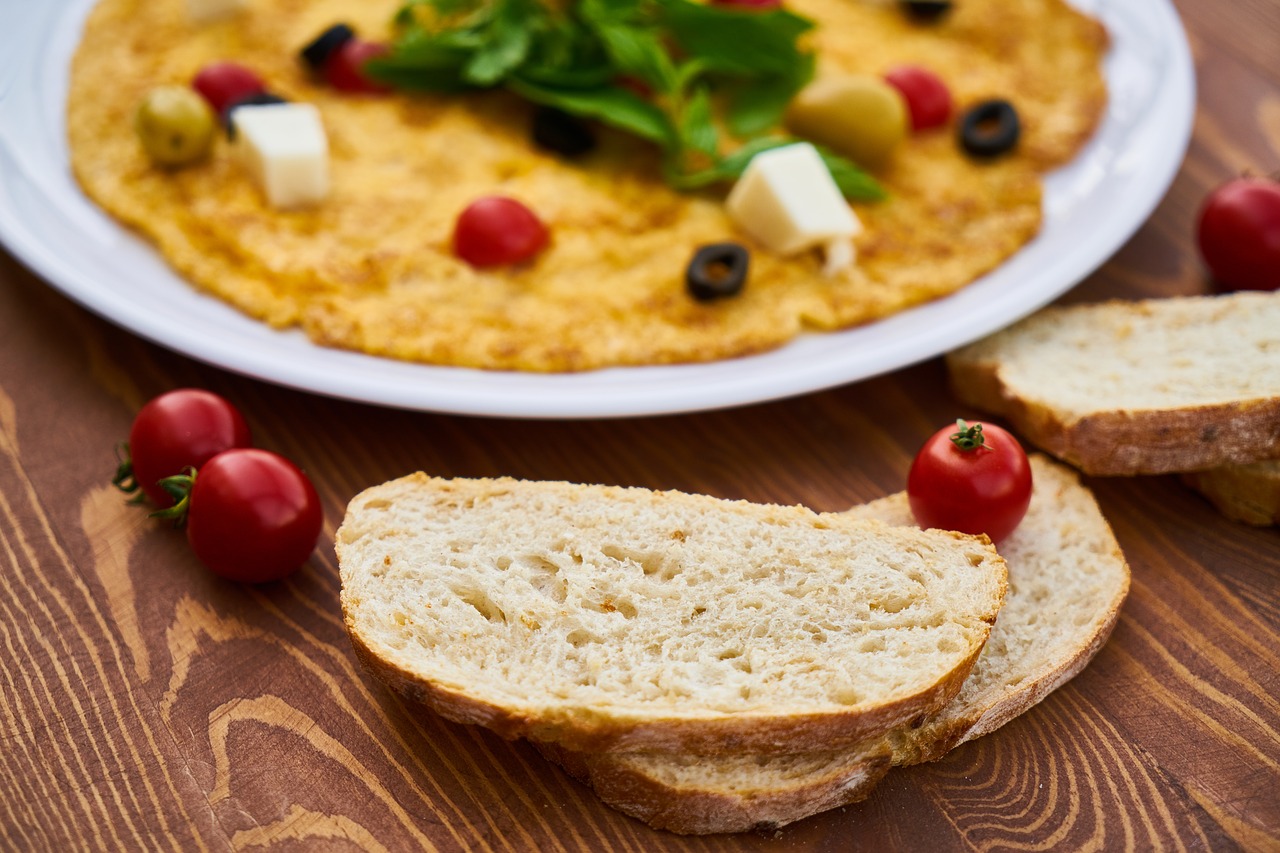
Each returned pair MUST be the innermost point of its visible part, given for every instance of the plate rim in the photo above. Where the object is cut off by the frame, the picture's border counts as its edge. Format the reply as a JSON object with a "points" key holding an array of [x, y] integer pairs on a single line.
{"points": [[799, 367]]}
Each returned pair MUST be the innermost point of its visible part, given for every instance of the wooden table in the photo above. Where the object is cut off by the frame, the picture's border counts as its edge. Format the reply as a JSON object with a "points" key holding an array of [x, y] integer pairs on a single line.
{"points": [[145, 704]]}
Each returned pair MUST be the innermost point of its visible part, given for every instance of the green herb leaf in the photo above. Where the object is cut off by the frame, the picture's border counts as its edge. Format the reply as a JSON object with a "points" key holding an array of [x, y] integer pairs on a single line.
{"points": [[509, 38], [614, 106], [759, 106], [854, 184], [697, 126], [751, 44]]}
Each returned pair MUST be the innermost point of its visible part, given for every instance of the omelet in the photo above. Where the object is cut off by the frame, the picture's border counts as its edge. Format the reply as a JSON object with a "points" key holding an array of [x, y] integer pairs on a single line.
{"points": [[372, 269]]}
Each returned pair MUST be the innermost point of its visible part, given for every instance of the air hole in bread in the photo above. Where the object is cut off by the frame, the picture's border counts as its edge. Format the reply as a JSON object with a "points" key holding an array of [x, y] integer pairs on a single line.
{"points": [[621, 606], [653, 565], [892, 603], [483, 604], [872, 644], [579, 638], [544, 576], [845, 695]]}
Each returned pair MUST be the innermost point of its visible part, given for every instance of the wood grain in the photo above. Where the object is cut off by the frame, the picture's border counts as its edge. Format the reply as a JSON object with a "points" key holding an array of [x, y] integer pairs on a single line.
{"points": [[144, 704]]}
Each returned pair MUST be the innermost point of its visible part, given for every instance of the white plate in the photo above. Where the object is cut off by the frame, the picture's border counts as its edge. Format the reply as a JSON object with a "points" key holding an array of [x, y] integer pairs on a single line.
{"points": [[1091, 208]]}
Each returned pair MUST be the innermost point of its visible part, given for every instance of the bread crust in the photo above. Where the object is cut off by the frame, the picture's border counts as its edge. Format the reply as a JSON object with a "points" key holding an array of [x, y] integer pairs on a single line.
{"points": [[1148, 387], [1244, 493], [1123, 442], [704, 812], [585, 731]]}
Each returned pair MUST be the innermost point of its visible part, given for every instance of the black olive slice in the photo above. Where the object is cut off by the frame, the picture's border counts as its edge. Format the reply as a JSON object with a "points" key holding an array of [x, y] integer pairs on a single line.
{"points": [[558, 131], [717, 270], [926, 10], [257, 99], [317, 53], [990, 128]]}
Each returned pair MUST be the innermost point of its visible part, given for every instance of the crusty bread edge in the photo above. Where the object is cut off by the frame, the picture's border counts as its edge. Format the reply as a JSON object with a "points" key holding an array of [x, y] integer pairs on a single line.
{"points": [[708, 736], [702, 812], [1240, 492], [1124, 443]]}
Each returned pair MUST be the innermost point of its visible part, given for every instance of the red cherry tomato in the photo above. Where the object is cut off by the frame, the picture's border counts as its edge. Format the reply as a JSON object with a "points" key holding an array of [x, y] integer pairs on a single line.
{"points": [[1239, 234], [253, 516], [973, 478], [497, 230], [345, 68], [179, 430], [224, 83], [928, 98]]}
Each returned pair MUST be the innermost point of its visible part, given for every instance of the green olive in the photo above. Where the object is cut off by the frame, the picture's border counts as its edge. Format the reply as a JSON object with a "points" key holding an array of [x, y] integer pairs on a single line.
{"points": [[175, 125], [861, 117]]}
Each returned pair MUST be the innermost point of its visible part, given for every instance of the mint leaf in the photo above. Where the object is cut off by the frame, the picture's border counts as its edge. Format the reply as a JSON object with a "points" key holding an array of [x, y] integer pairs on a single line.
{"points": [[509, 36], [749, 44], [638, 53], [697, 125], [759, 106], [614, 106]]}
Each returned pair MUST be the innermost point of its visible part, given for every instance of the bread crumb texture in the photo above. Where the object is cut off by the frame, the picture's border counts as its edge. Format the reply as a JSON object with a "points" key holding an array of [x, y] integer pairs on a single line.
{"points": [[1149, 355], [630, 603]]}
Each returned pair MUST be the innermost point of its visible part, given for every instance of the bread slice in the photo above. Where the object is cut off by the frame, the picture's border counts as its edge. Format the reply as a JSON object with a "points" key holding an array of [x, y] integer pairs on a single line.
{"points": [[1067, 581], [601, 617], [1247, 493], [1149, 387]]}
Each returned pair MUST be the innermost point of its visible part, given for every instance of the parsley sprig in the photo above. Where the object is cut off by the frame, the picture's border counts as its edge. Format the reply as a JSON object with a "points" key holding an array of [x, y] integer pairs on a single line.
{"points": [[720, 78]]}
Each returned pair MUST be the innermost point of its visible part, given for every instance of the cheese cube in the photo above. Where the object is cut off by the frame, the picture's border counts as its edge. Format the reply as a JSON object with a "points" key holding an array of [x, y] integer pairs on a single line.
{"points": [[285, 149], [788, 201], [207, 11]]}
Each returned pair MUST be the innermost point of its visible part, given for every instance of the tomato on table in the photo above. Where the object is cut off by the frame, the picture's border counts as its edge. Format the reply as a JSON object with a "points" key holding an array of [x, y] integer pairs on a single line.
{"points": [[252, 516], [178, 430], [974, 478], [1239, 234]]}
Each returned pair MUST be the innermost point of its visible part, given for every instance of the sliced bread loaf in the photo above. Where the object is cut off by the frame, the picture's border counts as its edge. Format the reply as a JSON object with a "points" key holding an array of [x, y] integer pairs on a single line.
{"points": [[1157, 386], [601, 617], [1067, 581], [1248, 493]]}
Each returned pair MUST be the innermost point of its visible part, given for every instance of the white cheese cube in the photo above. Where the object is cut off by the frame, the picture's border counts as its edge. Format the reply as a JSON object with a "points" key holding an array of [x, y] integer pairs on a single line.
{"points": [[788, 201], [285, 149], [207, 11]]}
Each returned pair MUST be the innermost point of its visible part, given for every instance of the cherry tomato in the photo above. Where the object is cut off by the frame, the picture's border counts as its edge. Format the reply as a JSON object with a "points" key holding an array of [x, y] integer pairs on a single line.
{"points": [[497, 230], [179, 430], [253, 516], [345, 67], [224, 83], [928, 98], [1239, 234], [973, 478]]}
